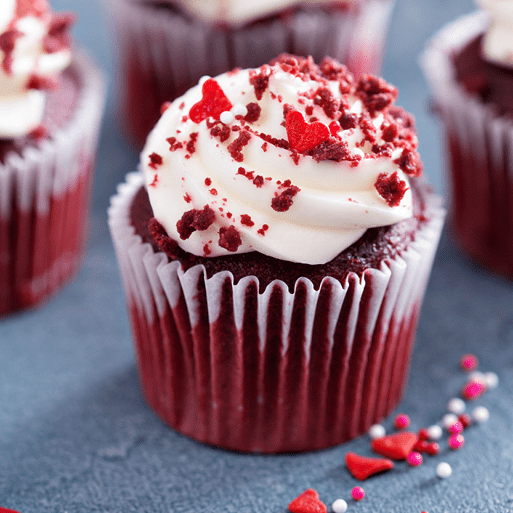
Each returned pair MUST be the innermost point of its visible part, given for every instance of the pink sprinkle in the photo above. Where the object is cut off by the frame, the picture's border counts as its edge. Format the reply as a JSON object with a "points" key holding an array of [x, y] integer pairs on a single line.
{"points": [[473, 389], [455, 428], [357, 493], [401, 421], [468, 362], [414, 459], [456, 441]]}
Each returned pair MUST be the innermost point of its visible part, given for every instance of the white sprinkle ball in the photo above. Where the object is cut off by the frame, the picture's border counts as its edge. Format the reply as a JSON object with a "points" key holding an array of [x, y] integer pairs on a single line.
{"points": [[476, 376], [239, 110], [226, 117], [491, 380], [377, 431], [443, 470], [448, 420], [339, 506], [480, 414], [203, 79], [435, 432], [456, 405]]}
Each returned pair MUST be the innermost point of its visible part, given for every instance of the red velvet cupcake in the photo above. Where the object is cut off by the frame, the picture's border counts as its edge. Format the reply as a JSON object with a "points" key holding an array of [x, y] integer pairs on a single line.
{"points": [[275, 251], [469, 65], [165, 47], [50, 109]]}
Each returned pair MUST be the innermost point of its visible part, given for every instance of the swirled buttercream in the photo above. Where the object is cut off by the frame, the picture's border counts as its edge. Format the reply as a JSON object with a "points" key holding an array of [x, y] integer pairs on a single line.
{"points": [[292, 160], [237, 12], [498, 40], [34, 48]]}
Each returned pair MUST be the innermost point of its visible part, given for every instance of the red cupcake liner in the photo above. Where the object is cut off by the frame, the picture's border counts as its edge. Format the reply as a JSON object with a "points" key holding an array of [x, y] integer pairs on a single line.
{"points": [[161, 54], [44, 202], [480, 150], [270, 372]]}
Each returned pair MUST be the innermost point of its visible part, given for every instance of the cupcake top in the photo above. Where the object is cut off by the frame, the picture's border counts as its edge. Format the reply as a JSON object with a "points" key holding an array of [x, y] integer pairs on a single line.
{"points": [[236, 12], [34, 49], [498, 40], [292, 160]]}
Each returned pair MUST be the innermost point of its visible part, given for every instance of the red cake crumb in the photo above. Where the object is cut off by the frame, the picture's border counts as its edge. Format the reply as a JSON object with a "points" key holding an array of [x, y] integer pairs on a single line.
{"points": [[333, 149], [283, 201], [245, 219], [213, 192], [409, 162], [191, 145], [40, 82], [187, 198], [160, 236], [174, 144], [229, 238], [7, 42], [236, 146], [40, 132], [258, 181], [375, 93], [264, 147], [391, 188], [206, 250], [262, 230], [253, 114], [154, 182], [327, 101], [221, 132], [155, 160], [260, 81], [348, 121], [208, 182], [58, 37], [193, 220]]}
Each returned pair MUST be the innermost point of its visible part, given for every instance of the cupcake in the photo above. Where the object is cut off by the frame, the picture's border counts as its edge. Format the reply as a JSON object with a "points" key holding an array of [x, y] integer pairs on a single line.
{"points": [[469, 66], [275, 248], [165, 47], [50, 107]]}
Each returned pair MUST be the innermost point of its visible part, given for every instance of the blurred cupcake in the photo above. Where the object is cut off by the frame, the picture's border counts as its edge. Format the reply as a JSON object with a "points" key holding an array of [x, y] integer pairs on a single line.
{"points": [[50, 108], [275, 251], [469, 65], [165, 47]]}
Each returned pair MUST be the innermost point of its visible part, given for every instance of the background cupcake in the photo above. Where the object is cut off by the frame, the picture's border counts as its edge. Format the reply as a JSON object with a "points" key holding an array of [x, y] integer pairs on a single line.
{"points": [[164, 48], [50, 107], [275, 276], [469, 65]]}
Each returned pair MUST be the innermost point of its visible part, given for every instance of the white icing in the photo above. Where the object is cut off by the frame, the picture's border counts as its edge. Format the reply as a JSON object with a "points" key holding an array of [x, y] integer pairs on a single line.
{"points": [[240, 11], [336, 203], [21, 109], [498, 40]]}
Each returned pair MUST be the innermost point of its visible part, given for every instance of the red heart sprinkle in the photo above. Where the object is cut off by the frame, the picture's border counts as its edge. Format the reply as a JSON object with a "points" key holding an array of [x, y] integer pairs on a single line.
{"points": [[396, 446], [362, 467], [307, 502], [5, 510], [213, 103], [304, 136]]}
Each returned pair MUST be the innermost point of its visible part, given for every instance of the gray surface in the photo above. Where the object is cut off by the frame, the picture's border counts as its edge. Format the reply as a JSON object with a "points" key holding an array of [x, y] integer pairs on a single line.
{"points": [[76, 436]]}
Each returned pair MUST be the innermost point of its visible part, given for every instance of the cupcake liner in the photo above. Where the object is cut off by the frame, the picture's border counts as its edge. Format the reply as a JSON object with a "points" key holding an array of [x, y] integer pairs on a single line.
{"points": [[270, 371], [44, 201], [480, 149], [162, 54]]}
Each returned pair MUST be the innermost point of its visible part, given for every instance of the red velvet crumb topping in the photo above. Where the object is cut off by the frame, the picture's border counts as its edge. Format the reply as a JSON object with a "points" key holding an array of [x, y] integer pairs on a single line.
{"points": [[409, 162], [193, 220], [58, 37], [260, 81], [375, 93], [246, 220], [283, 201], [164, 242], [253, 114], [40, 82], [236, 146], [391, 188], [7, 42], [155, 160], [174, 144], [229, 238]]}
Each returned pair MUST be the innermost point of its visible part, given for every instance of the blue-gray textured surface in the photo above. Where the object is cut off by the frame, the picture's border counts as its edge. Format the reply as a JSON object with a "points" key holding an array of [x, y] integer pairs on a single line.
{"points": [[76, 436]]}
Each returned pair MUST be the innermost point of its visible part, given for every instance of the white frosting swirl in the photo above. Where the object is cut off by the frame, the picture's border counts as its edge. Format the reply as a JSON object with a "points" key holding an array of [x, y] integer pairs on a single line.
{"points": [[336, 201], [237, 12], [24, 60], [498, 40]]}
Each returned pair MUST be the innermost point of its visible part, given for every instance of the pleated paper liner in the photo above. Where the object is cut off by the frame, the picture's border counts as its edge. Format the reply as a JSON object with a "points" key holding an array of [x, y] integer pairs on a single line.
{"points": [[276, 371], [480, 153], [44, 201], [162, 54]]}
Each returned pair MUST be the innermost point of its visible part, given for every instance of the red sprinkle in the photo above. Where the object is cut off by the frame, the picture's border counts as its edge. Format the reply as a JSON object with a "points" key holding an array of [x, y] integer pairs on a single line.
{"points": [[213, 103], [468, 362], [308, 502], [401, 421], [465, 419], [362, 467], [421, 446], [423, 434], [433, 448], [304, 136], [396, 446]]}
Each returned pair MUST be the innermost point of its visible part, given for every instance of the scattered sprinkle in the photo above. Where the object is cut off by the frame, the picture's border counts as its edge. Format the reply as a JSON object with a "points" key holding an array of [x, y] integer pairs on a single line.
{"points": [[443, 470], [401, 421], [448, 420], [456, 441], [468, 362], [377, 431], [435, 432], [414, 459], [480, 414], [357, 493], [339, 506], [308, 502], [456, 405]]}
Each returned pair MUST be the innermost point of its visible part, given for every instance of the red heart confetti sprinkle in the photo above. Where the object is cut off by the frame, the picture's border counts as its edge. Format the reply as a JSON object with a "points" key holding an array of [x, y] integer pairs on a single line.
{"points": [[5, 510], [213, 103], [396, 446], [304, 136], [362, 467], [308, 502]]}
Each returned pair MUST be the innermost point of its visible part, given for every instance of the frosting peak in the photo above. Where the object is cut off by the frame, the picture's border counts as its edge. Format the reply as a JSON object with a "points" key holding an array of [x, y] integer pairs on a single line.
{"points": [[34, 49], [498, 40], [292, 160]]}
